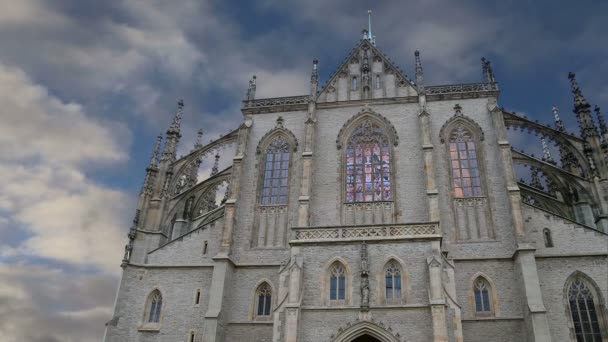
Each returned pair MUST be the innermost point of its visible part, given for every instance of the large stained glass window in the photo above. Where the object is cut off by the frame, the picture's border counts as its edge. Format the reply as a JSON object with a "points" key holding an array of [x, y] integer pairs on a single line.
{"points": [[465, 170], [368, 165], [584, 313], [276, 172]]}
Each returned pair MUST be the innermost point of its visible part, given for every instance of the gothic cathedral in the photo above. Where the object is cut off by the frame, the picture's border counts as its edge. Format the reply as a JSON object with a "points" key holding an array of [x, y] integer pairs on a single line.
{"points": [[375, 208]]}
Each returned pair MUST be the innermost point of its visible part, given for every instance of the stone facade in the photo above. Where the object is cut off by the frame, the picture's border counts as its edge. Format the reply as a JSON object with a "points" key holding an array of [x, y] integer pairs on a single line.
{"points": [[496, 261]]}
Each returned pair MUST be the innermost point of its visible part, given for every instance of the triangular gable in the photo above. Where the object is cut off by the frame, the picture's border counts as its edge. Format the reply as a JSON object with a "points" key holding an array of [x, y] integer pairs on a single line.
{"points": [[351, 82]]}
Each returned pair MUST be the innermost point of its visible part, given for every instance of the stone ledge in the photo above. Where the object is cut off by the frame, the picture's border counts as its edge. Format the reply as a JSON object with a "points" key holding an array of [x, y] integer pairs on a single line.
{"points": [[419, 231]]}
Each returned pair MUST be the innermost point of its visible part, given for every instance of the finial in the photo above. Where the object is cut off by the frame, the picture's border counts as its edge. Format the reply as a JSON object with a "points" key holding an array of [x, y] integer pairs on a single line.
{"points": [[251, 89], [582, 110], [199, 140], [155, 154], [314, 77], [419, 72], [175, 125], [216, 164], [546, 152], [601, 121]]}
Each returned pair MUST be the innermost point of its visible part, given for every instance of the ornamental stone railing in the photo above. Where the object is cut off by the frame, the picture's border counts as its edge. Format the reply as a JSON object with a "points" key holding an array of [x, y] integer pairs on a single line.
{"points": [[277, 101], [461, 88], [367, 233]]}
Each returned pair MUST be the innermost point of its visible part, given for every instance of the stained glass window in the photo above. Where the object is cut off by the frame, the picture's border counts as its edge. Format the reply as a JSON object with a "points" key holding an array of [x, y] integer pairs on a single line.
{"points": [[481, 288], [264, 296], [368, 168], [337, 282], [155, 303], [463, 158], [393, 282], [276, 172], [584, 313]]}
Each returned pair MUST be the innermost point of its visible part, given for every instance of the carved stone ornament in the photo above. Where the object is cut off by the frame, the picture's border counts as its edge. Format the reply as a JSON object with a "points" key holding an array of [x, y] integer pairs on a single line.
{"points": [[385, 124]]}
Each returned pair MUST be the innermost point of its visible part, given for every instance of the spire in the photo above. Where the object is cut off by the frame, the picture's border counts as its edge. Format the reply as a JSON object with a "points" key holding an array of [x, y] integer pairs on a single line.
{"points": [[314, 77], [546, 152], [601, 121], [486, 68], [173, 134], [370, 35], [419, 72], [251, 89], [199, 140], [177, 120], [215, 168], [156, 153], [582, 110], [559, 125]]}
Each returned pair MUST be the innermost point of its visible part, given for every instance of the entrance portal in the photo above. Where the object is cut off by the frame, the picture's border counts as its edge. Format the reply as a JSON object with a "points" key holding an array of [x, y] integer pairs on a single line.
{"points": [[365, 338]]}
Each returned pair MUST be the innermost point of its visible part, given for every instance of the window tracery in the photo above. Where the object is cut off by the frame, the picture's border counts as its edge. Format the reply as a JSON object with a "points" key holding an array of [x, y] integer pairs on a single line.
{"points": [[264, 300], [481, 290], [368, 169], [154, 307], [276, 172], [337, 282], [463, 158], [583, 312], [393, 282]]}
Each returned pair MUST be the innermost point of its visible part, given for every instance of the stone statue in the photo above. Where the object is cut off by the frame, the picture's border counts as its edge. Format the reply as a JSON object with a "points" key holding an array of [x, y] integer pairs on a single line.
{"points": [[364, 292]]}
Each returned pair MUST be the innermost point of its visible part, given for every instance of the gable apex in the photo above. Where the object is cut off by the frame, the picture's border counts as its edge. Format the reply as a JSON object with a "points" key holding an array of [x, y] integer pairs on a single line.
{"points": [[366, 73]]}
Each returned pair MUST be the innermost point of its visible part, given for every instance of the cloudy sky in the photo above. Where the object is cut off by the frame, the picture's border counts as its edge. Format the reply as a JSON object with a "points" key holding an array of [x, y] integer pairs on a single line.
{"points": [[85, 86]]}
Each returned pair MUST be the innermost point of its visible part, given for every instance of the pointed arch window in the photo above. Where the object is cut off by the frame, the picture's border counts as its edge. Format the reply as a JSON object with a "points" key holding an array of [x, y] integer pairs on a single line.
{"points": [[548, 238], [393, 282], [368, 165], [584, 312], [481, 291], [263, 301], [354, 82], [337, 282], [153, 307], [464, 165], [377, 81], [276, 172]]}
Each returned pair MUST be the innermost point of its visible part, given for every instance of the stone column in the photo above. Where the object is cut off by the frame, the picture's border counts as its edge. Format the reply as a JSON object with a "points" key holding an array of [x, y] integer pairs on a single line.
{"points": [[534, 312], [307, 166], [436, 296], [214, 324], [292, 309]]}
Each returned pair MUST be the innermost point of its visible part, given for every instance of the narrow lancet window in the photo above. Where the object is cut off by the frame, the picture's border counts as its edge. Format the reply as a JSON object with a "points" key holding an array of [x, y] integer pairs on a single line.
{"points": [[548, 238], [368, 165], [583, 312], [355, 83], [264, 300], [377, 81], [276, 172], [393, 282], [465, 169], [481, 289], [337, 282], [154, 307]]}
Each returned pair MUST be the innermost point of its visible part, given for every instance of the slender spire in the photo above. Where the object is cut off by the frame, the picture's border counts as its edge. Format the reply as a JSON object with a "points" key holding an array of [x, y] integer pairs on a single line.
{"points": [[216, 163], [156, 153], [488, 72], [601, 121], [582, 110], [199, 140], [173, 134], [177, 120], [419, 71], [251, 89], [546, 153], [559, 124], [370, 35], [314, 77]]}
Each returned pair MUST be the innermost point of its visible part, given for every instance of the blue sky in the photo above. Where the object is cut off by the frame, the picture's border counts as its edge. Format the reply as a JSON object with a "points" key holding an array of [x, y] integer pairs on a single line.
{"points": [[85, 86]]}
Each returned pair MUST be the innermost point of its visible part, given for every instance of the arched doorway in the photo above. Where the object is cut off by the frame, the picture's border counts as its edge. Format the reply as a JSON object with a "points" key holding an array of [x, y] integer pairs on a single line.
{"points": [[365, 338]]}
